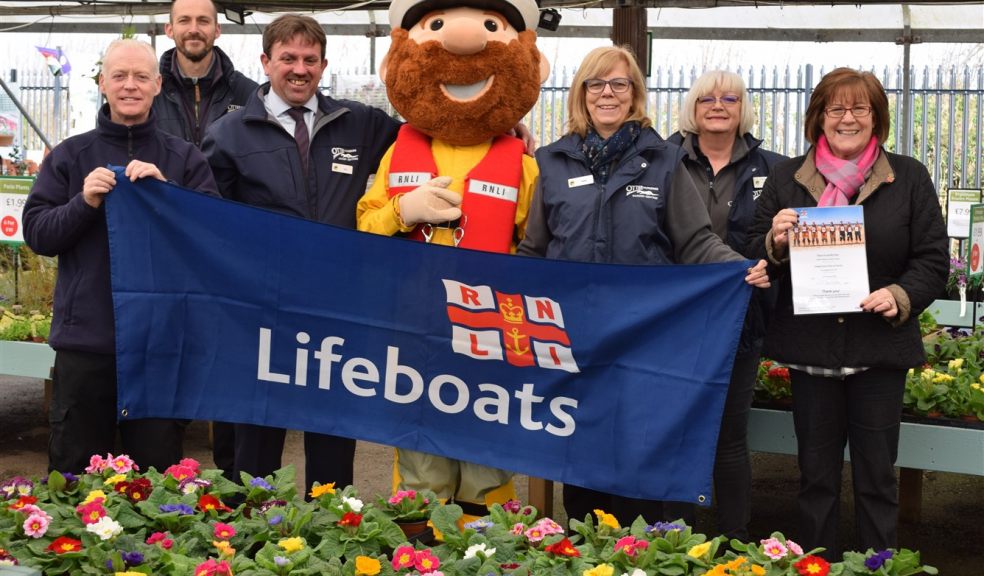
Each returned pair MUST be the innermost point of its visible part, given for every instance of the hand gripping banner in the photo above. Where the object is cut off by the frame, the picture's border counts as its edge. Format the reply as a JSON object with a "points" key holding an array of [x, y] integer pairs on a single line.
{"points": [[605, 376]]}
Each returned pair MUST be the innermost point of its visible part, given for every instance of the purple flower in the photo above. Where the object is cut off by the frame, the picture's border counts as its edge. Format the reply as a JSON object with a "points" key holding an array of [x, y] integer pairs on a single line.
{"points": [[479, 525], [878, 560], [663, 527], [275, 520], [260, 483], [280, 561], [132, 558], [181, 509], [264, 507], [15, 487], [70, 478]]}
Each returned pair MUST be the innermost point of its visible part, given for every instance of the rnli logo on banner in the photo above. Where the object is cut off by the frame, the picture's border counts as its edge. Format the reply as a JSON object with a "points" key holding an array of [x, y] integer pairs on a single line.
{"points": [[522, 330]]}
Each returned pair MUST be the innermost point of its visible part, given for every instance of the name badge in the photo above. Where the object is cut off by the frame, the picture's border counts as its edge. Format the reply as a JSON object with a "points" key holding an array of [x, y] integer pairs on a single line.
{"points": [[580, 181], [343, 168], [759, 181]]}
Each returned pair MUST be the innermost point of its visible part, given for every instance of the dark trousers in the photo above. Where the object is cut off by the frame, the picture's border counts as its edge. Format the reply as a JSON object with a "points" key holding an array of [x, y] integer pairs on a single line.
{"points": [[732, 465], [579, 502], [327, 459], [864, 409], [224, 448], [82, 418]]}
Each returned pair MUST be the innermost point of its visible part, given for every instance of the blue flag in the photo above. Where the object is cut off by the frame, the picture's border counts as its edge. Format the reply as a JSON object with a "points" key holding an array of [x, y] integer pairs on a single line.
{"points": [[604, 376]]}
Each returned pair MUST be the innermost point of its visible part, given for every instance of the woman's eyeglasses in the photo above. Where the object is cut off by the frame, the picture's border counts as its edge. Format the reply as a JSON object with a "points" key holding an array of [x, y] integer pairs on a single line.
{"points": [[856, 111], [726, 100], [618, 85]]}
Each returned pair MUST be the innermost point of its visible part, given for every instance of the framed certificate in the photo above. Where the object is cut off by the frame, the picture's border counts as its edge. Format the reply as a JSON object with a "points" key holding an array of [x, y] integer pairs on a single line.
{"points": [[827, 260]]}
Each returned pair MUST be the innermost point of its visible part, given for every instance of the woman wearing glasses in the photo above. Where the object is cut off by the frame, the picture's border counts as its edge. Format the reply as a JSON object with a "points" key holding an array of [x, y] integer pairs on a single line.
{"points": [[729, 168], [848, 370], [612, 190]]}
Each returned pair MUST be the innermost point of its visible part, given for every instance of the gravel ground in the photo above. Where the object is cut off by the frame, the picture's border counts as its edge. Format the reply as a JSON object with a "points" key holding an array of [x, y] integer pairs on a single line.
{"points": [[950, 533]]}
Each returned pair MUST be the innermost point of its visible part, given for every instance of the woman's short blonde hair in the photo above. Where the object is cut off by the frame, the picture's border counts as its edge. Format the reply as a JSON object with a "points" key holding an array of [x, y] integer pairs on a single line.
{"points": [[597, 63], [858, 85], [725, 81]]}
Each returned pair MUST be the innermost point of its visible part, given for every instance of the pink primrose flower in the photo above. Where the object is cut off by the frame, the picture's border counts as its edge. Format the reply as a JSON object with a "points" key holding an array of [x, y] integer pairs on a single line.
{"points": [[517, 529], [91, 513], [224, 531], [795, 548], [190, 463], [534, 534], [36, 525], [96, 464], [774, 549], [122, 464], [548, 526], [425, 561], [403, 557]]}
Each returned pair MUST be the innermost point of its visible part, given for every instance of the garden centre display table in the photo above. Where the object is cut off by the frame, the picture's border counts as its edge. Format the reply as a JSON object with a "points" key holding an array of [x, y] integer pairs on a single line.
{"points": [[28, 359]]}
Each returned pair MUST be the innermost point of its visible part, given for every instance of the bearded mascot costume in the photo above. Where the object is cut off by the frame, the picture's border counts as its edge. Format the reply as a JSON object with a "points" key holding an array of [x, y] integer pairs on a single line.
{"points": [[462, 73]]}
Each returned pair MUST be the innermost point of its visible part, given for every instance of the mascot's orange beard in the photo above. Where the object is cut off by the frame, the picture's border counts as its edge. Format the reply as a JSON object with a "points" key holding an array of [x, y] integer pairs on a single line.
{"points": [[415, 73]]}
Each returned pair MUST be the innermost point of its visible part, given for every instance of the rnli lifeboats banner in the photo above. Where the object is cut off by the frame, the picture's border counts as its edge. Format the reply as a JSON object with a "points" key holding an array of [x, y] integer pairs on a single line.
{"points": [[610, 377]]}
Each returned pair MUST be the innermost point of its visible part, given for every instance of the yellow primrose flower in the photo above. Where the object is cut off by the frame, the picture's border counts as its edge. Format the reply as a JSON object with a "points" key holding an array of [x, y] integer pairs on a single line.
{"points": [[928, 374], [114, 480], [366, 566], [94, 495], [955, 364], [758, 570], [319, 491], [981, 378], [601, 570], [699, 550], [129, 573], [606, 519], [292, 544], [224, 548], [975, 385]]}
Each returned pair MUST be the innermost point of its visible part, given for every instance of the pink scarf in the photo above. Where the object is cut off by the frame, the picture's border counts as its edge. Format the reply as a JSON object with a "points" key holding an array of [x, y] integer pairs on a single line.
{"points": [[844, 177]]}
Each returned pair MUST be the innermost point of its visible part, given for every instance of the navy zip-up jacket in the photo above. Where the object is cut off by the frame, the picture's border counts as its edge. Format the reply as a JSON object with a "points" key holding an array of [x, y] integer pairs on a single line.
{"points": [[224, 90], [58, 222], [648, 212], [256, 162]]}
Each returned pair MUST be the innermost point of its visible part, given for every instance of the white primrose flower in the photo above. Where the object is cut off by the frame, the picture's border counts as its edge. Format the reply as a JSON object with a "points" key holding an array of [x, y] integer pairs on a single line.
{"points": [[353, 503], [474, 549], [636, 572], [106, 528]]}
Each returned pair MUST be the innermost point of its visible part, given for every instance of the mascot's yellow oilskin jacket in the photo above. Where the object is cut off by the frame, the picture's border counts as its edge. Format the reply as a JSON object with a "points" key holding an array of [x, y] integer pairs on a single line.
{"points": [[462, 73]]}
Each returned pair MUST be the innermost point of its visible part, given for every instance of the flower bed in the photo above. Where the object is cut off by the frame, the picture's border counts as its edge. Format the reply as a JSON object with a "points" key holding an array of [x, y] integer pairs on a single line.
{"points": [[949, 386], [116, 520]]}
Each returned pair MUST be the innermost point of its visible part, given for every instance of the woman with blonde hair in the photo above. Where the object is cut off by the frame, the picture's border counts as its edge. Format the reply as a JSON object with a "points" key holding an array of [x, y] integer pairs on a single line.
{"points": [[729, 168], [612, 190]]}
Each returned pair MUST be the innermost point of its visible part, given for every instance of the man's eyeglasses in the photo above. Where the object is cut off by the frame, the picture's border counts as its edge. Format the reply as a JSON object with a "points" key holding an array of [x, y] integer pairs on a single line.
{"points": [[856, 111], [726, 100], [618, 85]]}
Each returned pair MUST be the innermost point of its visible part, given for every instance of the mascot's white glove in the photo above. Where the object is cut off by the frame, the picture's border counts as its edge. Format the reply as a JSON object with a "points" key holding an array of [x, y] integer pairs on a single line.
{"points": [[431, 202]]}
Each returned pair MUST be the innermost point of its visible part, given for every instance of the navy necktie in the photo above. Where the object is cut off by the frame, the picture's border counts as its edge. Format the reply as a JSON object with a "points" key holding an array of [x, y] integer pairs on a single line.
{"points": [[301, 134]]}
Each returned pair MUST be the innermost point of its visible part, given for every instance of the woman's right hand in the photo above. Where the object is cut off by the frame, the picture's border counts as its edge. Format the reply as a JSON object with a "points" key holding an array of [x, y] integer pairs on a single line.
{"points": [[782, 223]]}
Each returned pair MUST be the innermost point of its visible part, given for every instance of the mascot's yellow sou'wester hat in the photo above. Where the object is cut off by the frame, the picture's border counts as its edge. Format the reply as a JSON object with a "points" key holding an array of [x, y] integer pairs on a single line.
{"points": [[521, 14]]}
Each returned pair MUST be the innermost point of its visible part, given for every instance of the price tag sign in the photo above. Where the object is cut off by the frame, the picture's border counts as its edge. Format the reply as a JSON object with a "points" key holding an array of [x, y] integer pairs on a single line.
{"points": [[975, 250], [958, 203], [13, 195]]}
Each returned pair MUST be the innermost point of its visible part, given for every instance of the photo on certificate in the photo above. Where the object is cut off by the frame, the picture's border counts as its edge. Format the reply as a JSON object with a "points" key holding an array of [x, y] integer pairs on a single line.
{"points": [[827, 261]]}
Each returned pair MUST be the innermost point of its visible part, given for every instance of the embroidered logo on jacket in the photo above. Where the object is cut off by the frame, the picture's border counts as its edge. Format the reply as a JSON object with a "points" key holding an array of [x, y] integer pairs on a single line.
{"points": [[644, 192], [344, 154]]}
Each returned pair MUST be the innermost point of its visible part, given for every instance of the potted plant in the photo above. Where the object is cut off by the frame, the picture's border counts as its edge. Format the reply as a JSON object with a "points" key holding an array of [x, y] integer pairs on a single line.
{"points": [[411, 510], [773, 385]]}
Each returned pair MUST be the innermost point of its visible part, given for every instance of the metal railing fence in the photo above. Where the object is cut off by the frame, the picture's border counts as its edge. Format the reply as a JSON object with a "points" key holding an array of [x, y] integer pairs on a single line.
{"points": [[48, 100]]}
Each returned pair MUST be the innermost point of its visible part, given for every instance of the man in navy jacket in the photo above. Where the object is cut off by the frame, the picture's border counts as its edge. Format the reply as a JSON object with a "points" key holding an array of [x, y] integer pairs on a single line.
{"points": [[64, 217]]}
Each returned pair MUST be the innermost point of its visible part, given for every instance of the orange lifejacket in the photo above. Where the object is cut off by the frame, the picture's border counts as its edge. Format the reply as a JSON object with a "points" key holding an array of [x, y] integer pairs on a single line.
{"points": [[488, 204]]}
